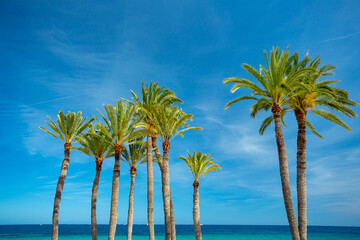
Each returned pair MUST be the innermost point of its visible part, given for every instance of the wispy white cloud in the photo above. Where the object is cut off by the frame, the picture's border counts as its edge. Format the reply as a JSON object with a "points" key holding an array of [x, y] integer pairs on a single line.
{"points": [[341, 37], [55, 100], [35, 140], [42, 177]]}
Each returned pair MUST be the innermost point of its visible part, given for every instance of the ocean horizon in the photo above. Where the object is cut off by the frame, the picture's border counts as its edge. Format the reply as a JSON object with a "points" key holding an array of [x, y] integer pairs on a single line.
{"points": [[183, 232]]}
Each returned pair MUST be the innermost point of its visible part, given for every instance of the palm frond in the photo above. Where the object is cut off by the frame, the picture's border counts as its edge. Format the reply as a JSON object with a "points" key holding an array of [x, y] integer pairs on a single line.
{"points": [[312, 128], [67, 127], [331, 117], [200, 164]]}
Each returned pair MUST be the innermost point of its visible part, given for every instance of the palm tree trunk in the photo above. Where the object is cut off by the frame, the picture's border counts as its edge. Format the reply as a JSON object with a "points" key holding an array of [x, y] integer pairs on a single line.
{"points": [[284, 174], [157, 151], [94, 200], [301, 173], [115, 194], [131, 204], [172, 215], [59, 189], [196, 211], [165, 179], [150, 189]]}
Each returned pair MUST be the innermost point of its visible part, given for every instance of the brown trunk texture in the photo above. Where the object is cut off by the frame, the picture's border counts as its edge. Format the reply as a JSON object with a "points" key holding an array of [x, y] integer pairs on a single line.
{"points": [[301, 174], [93, 202], [114, 195], [196, 211], [165, 179], [59, 189], [154, 145], [284, 174], [150, 189], [131, 205], [172, 215]]}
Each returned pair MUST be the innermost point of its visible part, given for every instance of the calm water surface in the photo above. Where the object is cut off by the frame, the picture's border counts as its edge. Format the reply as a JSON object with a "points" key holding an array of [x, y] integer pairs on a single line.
{"points": [[184, 232]]}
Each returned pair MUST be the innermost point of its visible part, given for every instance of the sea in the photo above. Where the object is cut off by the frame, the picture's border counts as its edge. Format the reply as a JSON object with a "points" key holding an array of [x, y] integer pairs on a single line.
{"points": [[183, 232]]}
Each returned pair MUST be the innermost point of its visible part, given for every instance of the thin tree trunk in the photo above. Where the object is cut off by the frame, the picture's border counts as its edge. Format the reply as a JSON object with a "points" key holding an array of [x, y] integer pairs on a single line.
{"points": [[165, 178], [196, 211], [150, 189], [59, 189], [284, 174], [301, 174], [131, 204], [157, 151], [115, 194], [172, 215], [94, 200]]}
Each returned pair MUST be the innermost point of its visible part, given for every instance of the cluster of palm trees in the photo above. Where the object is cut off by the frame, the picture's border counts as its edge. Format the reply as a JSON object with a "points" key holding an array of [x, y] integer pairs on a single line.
{"points": [[285, 85], [288, 84], [154, 116]]}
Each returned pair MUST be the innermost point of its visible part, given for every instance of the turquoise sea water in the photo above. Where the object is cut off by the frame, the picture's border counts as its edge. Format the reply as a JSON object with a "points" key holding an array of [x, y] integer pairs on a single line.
{"points": [[184, 232]]}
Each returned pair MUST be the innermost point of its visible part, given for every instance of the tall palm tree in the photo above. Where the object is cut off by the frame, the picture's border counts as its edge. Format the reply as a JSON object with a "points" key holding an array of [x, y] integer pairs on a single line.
{"points": [[169, 123], [199, 164], [119, 128], [273, 93], [68, 127], [158, 159], [95, 145], [152, 96], [311, 96], [133, 158]]}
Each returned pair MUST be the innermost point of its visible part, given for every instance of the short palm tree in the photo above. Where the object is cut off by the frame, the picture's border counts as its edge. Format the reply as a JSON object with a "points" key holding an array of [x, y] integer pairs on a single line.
{"points": [[133, 158], [169, 123], [311, 96], [199, 164], [68, 127], [152, 96], [119, 128], [273, 94], [95, 144]]}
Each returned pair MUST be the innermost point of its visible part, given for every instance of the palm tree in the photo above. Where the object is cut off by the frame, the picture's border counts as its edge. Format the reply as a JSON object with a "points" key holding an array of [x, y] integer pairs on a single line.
{"points": [[199, 164], [273, 93], [169, 123], [68, 127], [152, 96], [119, 129], [158, 159], [312, 95], [95, 145], [133, 158]]}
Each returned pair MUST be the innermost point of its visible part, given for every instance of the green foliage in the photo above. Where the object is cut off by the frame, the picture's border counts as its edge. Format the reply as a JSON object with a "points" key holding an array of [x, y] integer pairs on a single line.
{"points": [[94, 144], [136, 154], [200, 164], [293, 85], [120, 123], [275, 81], [68, 126], [311, 94], [153, 97], [171, 122]]}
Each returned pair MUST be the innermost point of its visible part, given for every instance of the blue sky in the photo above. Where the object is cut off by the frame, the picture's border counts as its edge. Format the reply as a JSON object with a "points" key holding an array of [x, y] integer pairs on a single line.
{"points": [[72, 55]]}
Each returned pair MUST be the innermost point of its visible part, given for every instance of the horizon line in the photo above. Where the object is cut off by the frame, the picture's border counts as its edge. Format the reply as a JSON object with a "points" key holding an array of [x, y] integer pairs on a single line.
{"points": [[186, 224]]}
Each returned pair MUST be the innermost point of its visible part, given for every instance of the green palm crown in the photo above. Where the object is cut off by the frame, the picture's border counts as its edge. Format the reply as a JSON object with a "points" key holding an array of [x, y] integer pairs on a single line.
{"points": [[68, 126], [120, 123], [94, 144], [153, 97], [200, 164], [171, 122], [311, 94], [136, 154]]}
